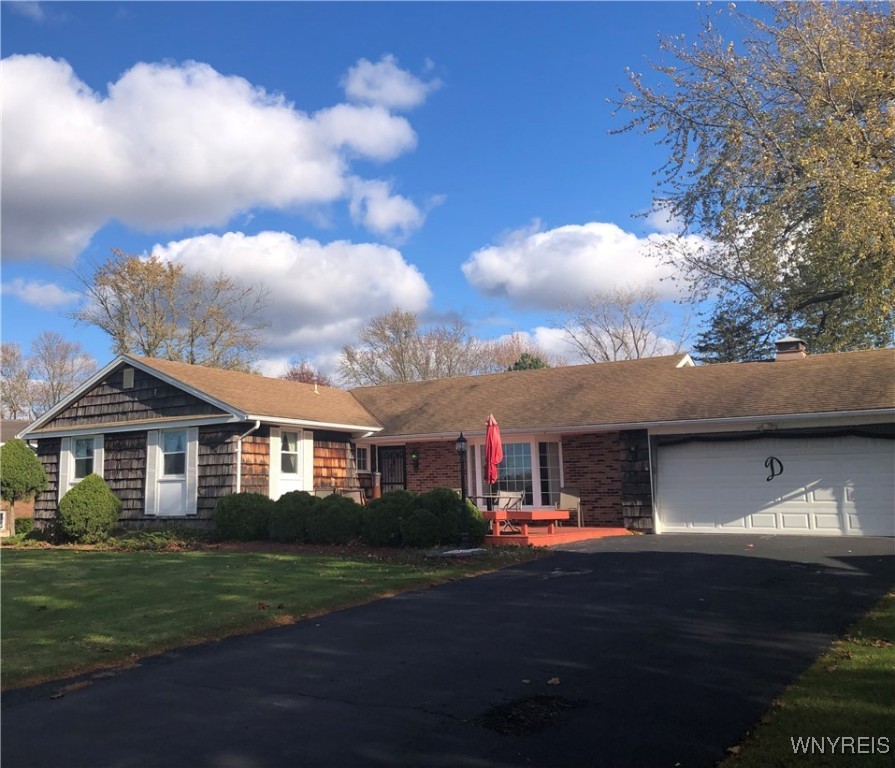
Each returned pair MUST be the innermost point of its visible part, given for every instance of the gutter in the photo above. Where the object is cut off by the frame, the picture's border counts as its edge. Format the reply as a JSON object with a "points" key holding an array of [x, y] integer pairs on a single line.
{"points": [[239, 453]]}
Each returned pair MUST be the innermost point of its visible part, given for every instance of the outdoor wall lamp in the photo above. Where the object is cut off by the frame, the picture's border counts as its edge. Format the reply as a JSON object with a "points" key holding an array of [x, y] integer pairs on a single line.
{"points": [[415, 460], [462, 445]]}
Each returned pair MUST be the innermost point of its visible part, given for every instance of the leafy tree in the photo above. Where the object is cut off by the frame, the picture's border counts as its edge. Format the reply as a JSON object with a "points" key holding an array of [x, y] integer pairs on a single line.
{"points": [[21, 475], [733, 336], [156, 308], [305, 373], [781, 157], [527, 362], [621, 324]]}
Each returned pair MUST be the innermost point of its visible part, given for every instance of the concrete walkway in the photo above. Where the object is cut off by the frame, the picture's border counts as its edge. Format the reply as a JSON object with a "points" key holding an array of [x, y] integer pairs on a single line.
{"points": [[636, 651]]}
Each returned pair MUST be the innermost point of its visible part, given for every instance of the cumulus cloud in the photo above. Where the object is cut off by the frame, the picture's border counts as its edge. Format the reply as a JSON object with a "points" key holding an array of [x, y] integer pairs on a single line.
{"points": [[320, 294], [374, 206], [171, 146], [661, 219], [386, 84], [550, 269], [39, 293]]}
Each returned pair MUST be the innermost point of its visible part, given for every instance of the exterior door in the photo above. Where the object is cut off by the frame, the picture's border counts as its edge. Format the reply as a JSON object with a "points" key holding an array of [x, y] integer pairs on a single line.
{"points": [[392, 466]]}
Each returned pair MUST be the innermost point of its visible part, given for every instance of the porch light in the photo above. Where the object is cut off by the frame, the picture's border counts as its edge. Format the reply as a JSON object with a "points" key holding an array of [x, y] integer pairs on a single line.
{"points": [[461, 445]]}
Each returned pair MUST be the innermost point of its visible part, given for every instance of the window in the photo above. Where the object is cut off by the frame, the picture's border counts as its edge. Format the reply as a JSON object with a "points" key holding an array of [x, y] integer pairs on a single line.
{"points": [[361, 460], [515, 470], [174, 453], [532, 467], [83, 453], [548, 454], [289, 453]]}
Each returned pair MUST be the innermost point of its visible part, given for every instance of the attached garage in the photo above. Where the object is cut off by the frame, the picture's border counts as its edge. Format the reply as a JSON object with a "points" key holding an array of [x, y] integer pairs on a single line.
{"points": [[786, 485]]}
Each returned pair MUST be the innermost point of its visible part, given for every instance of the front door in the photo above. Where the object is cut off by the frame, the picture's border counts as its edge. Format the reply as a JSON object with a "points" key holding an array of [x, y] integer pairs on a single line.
{"points": [[391, 465]]}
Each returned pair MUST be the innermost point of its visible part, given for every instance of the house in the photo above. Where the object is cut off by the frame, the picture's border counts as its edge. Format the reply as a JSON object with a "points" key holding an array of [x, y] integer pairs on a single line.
{"points": [[805, 444], [9, 428]]}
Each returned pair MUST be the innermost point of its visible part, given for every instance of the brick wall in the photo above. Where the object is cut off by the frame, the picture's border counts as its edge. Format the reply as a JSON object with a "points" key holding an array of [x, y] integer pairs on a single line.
{"points": [[439, 467], [593, 464]]}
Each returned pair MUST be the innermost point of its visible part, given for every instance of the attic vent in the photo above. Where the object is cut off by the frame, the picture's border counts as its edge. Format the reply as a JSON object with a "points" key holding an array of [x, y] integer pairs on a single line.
{"points": [[128, 380]]}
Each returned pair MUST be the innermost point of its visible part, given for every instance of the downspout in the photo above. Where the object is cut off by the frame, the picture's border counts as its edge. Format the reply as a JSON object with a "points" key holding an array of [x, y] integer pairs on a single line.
{"points": [[239, 454]]}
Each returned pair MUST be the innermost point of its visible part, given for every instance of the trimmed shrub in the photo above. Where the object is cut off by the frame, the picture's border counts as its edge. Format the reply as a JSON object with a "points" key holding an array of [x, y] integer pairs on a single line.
{"points": [[24, 526], [242, 516], [89, 511], [381, 519], [21, 475], [334, 520], [435, 518], [289, 516]]}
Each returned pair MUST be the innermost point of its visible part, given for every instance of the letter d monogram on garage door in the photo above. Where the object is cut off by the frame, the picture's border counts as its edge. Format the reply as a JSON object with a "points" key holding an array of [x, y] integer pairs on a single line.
{"points": [[775, 465]]}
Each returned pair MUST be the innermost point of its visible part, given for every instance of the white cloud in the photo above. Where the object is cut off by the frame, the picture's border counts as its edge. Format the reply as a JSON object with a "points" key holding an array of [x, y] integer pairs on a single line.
{"points": [[374, 205], [661, 219], [386, 84], [553, 268], [40, 294], [168, 146], [320, 294], [30, 10]]}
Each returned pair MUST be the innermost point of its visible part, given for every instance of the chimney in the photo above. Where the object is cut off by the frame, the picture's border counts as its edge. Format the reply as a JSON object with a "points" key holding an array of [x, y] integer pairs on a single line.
{"points": [[790, 348]]}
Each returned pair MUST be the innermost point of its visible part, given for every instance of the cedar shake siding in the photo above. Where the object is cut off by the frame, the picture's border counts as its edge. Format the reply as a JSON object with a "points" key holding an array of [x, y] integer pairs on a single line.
{"points": [[256, 461], [48, 455], [217, 466], [149, 398], [124, 470], [637, 490], [333, 463]]}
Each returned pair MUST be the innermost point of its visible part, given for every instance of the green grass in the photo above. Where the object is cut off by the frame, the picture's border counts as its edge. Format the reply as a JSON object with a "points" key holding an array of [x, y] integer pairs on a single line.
{"points": [[70, 611], [849, 691]]}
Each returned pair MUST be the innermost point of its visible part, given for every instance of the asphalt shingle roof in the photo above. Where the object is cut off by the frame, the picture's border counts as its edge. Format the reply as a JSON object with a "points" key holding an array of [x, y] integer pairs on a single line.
{"points": [[266, 397], [651, 390]]}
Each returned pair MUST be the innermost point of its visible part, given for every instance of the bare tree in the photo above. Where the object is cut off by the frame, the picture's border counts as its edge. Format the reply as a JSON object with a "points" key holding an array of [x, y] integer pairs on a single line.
{"points": [[502, 354], [15, 385], [56, 367], [155, 308], [622, 324], [395, 348], [305, 373]]}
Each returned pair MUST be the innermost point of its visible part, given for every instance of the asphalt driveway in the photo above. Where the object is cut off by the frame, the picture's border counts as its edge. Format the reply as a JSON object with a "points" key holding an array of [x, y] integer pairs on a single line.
{"points": [[638, 651]]}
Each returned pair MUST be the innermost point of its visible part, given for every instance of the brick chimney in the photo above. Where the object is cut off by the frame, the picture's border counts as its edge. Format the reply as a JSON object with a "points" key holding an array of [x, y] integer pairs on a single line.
{"points": [[790, 348]]}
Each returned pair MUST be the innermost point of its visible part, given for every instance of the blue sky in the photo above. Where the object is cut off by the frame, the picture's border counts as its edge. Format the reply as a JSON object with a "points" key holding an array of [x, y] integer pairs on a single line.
{"points": [[452, 159]]}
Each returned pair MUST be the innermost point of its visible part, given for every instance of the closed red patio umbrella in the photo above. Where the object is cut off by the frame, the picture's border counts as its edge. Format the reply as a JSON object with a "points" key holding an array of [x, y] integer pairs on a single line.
{"points": [[493, 450]]}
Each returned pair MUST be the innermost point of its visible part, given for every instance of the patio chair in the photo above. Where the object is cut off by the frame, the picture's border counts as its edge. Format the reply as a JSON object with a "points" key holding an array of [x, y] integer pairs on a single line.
{"points": [[570, 499], [355, 494], [324, 491], [510, 501]]}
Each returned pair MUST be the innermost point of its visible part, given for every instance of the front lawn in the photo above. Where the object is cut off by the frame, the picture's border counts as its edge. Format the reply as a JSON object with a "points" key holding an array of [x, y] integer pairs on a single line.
{"points": [[69, 611], [842, 710]]}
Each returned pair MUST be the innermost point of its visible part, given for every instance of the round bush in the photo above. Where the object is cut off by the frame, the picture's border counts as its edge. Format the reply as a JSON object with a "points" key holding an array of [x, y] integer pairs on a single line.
{"points": [[242, 516], [334, 520], [21, 475], [89, 511], [289, 516], [436, 517], [381, 519]]}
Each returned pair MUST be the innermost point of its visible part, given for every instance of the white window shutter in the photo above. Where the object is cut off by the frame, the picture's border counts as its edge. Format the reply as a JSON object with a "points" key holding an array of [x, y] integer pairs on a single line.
{"points": [[307, 459], [192, 470], [65, 467], [99, 455], [152, 461], [273, 488]]}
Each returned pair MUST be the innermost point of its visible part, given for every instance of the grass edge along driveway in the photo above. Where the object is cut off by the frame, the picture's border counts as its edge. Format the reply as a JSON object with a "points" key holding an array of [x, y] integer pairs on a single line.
{"points": [[67, 612], [841, 711]]}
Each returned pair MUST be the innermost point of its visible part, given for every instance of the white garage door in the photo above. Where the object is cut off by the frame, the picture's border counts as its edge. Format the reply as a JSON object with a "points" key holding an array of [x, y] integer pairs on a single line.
{"points": [[834, 486]]}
